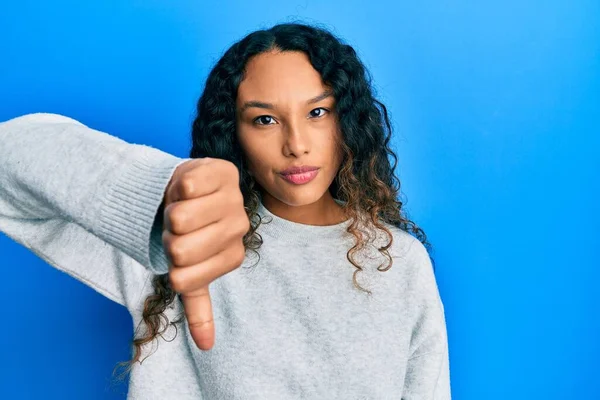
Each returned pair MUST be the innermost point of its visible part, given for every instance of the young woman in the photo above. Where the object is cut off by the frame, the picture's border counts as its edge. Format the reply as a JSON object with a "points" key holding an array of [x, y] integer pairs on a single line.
{"points": [[333, 295]]}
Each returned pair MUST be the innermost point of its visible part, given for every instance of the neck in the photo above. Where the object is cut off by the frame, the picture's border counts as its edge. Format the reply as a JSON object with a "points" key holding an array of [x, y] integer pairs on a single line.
{"points": [[326, 211]]}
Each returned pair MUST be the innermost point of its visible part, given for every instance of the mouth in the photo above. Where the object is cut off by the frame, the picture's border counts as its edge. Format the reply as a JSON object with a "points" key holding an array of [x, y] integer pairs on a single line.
{"points": [[298, 169], [300, 177]]}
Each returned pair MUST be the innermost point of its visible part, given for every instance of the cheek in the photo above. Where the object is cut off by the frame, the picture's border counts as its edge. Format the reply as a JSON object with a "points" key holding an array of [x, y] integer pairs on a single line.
{"points": [[338, 161], [337, 150], [252, 162], [256, 159], [247, 153]]}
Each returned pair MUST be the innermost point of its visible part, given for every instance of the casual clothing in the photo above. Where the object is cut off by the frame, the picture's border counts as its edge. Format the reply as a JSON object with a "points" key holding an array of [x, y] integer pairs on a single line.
{"points": [[289, 325]]}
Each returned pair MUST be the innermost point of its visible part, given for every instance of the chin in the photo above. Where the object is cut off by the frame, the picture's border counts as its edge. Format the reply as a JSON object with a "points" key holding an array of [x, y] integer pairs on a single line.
{"points": [[301, 199]]}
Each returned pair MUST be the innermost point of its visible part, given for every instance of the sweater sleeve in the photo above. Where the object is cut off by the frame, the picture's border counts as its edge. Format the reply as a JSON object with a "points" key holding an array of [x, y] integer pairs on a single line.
{"points": [[428, 368], [84, 201]]}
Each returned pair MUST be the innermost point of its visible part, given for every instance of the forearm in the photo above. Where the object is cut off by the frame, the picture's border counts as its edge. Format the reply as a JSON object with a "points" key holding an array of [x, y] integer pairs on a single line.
{"points": [[52, 166]]}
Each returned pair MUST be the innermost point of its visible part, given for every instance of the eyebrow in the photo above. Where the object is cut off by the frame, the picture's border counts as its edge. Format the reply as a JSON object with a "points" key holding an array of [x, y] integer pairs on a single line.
{"points": [[269, 106]]}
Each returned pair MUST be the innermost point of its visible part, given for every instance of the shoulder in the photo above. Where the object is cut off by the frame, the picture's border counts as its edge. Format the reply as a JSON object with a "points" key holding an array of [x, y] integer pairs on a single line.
{"points": [[411, 259], [404, 245], [41, 118]]}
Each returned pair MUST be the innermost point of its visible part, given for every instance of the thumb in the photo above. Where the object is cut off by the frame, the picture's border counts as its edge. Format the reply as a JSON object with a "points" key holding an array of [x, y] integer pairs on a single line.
{"points": [[198, 311]]}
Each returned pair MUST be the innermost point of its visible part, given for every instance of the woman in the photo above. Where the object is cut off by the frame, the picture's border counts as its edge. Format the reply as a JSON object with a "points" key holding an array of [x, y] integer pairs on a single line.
{"points": [[335, 298]]}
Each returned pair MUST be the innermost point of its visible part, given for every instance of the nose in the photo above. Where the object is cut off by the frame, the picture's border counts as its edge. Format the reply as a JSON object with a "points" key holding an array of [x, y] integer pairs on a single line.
{"points": [[296, 140]]}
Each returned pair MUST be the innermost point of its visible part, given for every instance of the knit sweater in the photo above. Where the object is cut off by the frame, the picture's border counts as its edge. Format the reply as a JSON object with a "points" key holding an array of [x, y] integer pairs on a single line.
{"points": [[289, 324]]}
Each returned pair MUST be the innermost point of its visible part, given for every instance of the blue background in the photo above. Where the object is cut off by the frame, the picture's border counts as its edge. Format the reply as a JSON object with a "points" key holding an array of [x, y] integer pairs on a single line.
{"points": [[496, 111]]}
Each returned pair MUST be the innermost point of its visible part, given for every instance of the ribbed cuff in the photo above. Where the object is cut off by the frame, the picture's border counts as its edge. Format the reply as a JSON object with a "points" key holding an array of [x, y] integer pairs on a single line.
{"points": [[129, 217]]}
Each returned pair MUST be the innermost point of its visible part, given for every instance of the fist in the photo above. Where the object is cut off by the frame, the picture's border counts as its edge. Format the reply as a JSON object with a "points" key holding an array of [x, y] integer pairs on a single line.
{"points": [[204, 223]]}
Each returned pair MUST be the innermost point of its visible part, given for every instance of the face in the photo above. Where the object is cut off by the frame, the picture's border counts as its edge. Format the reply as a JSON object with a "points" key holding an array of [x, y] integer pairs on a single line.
{"points": [[285, 118]]}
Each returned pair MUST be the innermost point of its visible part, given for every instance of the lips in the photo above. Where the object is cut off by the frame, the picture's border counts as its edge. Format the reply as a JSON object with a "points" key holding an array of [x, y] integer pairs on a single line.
{"points": [[299, 169], [300, 178]]}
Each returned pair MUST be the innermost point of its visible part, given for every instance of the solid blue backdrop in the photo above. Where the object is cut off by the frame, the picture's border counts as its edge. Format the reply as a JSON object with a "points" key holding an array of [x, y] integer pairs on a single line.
{"points": [[496, 109]]}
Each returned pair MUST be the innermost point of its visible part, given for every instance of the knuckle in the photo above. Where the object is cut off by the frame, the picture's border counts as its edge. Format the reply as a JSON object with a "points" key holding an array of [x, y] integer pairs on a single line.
{"points": [[232, 170], [235, 198], [240, 198], [178, 283], [244, 224], [241, 254], [186, 185], [237, 226], [177, 218], [176, 252], [167, 237], [235, 256]]}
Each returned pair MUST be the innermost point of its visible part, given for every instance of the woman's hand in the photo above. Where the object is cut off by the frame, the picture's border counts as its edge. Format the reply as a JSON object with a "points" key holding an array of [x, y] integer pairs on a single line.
{"points": [[204, 224]]}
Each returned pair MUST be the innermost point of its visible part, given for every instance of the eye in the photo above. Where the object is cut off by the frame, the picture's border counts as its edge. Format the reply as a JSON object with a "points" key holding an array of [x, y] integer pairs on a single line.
{"points": [[318, 115], [263, 120]]}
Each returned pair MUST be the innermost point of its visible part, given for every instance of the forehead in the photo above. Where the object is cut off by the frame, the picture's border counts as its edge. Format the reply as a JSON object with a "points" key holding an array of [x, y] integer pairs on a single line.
{"points": [[280, 77]]}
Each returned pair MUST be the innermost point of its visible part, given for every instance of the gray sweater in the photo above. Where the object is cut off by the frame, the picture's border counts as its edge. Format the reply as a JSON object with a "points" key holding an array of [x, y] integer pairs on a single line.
{"points": [[291, 326]]}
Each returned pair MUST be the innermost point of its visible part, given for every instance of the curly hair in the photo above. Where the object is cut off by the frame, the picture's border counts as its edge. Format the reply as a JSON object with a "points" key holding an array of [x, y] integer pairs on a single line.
{"points": [[365, 181]]}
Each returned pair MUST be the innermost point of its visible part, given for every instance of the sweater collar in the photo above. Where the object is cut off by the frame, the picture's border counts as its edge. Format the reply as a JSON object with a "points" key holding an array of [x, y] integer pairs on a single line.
{"points": [[280, 228]]}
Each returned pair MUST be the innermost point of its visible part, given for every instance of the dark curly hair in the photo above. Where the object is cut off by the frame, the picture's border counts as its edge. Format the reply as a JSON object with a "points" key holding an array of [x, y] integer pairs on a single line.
{"points": [[365, 181]]}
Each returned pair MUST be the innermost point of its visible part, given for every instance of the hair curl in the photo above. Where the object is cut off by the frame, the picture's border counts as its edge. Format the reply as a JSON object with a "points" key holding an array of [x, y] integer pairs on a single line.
{"points": [[365, 181]]}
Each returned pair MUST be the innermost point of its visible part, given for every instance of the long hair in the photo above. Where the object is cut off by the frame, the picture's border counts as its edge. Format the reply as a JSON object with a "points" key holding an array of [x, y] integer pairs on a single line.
{"points": [[365, 182]]}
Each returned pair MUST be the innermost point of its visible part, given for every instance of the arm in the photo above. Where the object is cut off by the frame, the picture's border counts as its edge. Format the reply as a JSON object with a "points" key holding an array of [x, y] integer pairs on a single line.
{"points": [[428, 372], [427, 377], [84, 201]]}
